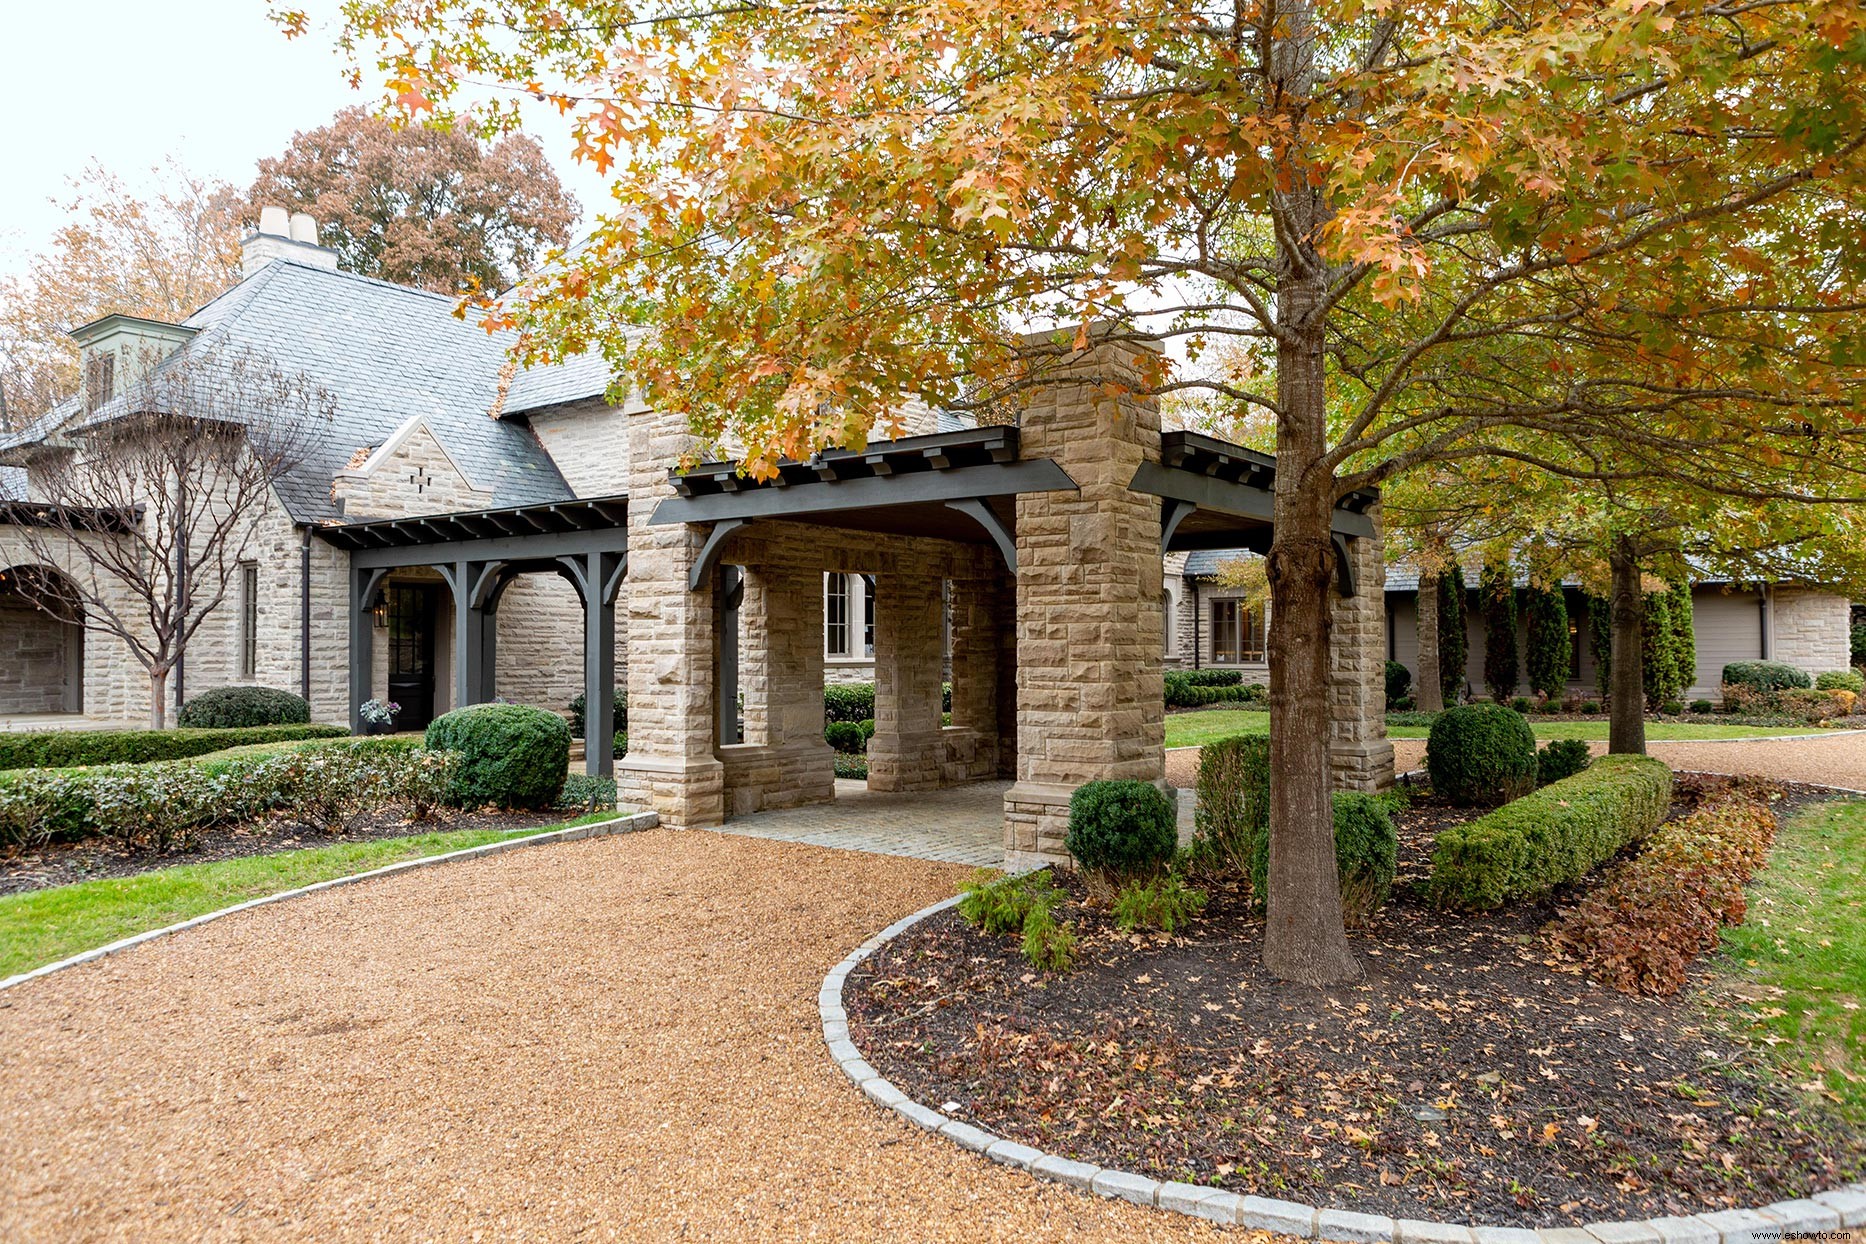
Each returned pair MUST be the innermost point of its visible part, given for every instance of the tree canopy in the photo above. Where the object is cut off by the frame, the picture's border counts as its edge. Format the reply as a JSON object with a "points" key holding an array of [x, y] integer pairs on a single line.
{"points": [[430, 206], [160, 255], [1398, 234]]}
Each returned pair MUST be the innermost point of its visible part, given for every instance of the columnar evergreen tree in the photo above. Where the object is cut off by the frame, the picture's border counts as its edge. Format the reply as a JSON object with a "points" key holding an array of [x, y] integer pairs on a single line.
{"points": [[1684, 636], [1434, 233], [1659, 649], [1548, 641], [1496, 589], [1600, 642], [1454, 639]]}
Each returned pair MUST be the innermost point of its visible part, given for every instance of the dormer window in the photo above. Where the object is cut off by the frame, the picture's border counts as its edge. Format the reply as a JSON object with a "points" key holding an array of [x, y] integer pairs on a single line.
{"points": [[100, 384]]}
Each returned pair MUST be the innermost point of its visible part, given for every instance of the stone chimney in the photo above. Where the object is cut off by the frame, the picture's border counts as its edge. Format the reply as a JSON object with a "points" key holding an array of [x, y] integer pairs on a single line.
{"points": [[290, 237]]}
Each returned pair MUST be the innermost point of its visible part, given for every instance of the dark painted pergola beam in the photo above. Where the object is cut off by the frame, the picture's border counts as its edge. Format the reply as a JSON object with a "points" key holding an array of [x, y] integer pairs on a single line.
{"points": [[1228, 497], [872, 492]]}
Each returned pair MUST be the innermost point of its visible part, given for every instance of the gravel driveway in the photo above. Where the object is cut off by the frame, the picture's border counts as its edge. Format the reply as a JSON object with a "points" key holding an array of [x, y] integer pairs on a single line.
{"points": [[1830, 760], [610, 1039]]}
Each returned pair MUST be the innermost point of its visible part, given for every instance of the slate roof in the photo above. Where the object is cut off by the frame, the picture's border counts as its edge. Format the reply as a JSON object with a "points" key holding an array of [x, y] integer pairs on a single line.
{"points": [[12, 484], [575, 379], [1204, 563], [386, 353]]}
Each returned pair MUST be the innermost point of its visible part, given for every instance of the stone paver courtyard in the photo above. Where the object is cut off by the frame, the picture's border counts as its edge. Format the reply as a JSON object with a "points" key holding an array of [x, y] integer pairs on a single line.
{"points": [[955, 825], [610, 1039]]}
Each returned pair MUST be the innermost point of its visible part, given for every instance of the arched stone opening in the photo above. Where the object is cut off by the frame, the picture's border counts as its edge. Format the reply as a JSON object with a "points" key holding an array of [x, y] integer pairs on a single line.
{"points": [[41, 651]]}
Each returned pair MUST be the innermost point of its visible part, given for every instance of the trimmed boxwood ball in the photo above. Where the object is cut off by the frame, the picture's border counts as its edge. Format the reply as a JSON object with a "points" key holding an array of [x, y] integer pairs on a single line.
{"points": [[844, 736], [1561, 758], [512, 755], [227, 708], [1399, 682], [1479, 755], [1122, 828]]}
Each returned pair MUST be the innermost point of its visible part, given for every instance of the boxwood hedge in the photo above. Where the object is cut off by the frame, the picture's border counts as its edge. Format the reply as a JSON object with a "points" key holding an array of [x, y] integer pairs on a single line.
{"points": [[231, 707], [64, 749], [1554, 836]]}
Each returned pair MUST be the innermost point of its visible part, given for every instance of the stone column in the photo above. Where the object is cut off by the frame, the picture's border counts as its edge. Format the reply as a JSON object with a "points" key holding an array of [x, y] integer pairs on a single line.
{"points": [[972, 742], [1090, 702], [670, 766], [783, 762], [907, 752], [1359, 755]]}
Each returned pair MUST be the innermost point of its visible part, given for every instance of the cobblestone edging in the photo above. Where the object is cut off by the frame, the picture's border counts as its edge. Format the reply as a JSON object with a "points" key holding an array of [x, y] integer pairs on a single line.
{"points": [[1841, 1209], [623, 824]]}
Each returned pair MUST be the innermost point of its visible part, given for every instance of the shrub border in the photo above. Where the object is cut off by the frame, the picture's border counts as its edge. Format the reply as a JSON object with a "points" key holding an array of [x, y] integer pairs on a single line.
{"points": [[1839, 1209], [623, 824]]}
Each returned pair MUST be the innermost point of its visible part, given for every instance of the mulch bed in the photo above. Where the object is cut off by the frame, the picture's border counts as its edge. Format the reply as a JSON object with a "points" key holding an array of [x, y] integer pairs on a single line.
{"points": [[65, 862], [1469, 1076]]}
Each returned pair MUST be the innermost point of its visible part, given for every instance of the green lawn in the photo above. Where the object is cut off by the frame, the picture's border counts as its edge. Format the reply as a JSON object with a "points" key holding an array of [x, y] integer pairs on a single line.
{"points": [[41, 926], [1196, 729], [1798, 962]]}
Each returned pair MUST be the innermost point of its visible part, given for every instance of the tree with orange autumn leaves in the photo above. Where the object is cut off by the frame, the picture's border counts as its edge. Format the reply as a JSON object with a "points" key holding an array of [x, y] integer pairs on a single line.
{"points": [[1426, 233]]}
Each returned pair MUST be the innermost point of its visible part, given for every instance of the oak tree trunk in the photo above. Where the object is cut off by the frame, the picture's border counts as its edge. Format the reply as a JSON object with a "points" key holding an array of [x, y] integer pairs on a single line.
{"points": [[1626, 670], [1304, 938], [1430, 696]]}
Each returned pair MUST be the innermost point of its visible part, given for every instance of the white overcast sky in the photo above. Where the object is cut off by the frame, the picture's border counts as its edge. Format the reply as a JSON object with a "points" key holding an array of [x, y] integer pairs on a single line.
{"points": [[210, 82]]}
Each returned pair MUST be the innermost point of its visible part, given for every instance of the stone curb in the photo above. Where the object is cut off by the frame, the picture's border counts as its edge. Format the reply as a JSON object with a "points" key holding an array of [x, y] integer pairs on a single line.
{"points": [[600, 829], [1842, 1208]]}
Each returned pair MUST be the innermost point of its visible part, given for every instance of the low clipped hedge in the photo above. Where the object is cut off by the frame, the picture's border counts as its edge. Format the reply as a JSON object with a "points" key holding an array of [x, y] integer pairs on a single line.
{"points": [[1480, 755], [1765, 676], [511, 755], [325, 787], [1554, 836], [226, 708], [848, 701], [65, 749], [1196, 688]]}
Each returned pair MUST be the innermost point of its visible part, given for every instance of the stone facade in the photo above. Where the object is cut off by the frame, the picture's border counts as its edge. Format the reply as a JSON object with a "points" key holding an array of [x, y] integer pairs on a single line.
{"points": [[1810, 629], [589, 443], [41, 658], [411, 473], [1090, 627]]}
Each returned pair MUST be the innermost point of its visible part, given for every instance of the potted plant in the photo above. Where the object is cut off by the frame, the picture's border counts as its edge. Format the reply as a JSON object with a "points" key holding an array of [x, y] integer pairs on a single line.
{"points": [[378, 718]]}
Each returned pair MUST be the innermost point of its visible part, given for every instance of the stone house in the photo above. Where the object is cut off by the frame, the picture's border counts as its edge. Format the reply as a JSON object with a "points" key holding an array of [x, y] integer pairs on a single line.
{"points": [[1217, 626], [463, 531]]}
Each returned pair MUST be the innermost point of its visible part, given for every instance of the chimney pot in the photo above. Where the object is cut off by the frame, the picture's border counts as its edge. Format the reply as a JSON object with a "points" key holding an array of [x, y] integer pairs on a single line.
{"points": [[304, 228], [273, 221]]}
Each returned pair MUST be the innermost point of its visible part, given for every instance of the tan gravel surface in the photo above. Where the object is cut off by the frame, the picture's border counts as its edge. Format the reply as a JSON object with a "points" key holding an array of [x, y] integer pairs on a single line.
{"points": [[611, 1039]]}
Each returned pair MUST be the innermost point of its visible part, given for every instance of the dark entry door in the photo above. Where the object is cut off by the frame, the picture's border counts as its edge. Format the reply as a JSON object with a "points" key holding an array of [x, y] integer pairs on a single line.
{"points": [[412, 610]]}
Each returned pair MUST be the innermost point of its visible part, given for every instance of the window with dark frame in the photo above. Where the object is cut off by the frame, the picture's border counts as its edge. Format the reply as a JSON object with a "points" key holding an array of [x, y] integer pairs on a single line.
{"points": [[249, 621], [1237, 633]]}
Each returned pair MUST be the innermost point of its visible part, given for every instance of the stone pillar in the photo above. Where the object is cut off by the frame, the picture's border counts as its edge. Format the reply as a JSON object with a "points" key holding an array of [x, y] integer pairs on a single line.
{"points": [[908, 751], [1359, 755], [783, 762], [1090, 702], [670, 766], [972, 740]]}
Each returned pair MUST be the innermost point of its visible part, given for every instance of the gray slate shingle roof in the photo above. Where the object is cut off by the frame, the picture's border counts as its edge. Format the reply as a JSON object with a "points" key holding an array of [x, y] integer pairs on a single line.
{"points": [[386, 353], [573, 380], [1204, 563], [12, 484]]}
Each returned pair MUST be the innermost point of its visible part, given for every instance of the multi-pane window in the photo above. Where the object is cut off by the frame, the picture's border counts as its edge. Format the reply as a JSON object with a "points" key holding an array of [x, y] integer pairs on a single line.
{"points": [[249, 621], [1237, 633], [836, 615], [101, 382]]}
